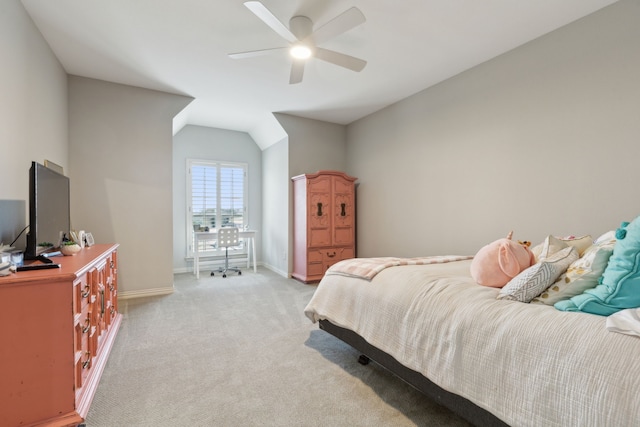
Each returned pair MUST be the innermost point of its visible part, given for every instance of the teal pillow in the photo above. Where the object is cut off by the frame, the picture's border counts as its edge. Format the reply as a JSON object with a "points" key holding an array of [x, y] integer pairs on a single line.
{"points": [[620, 285]]}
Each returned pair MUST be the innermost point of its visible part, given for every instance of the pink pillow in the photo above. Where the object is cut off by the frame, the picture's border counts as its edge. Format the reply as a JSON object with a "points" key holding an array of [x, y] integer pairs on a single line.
{"points": [[498, 262]]}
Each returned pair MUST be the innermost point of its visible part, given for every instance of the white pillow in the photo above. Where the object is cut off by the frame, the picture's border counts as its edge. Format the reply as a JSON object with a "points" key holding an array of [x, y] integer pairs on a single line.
{"points": [[580, 243], [536, 279], [553, 244], [550, 246], [609, 236], [582, 274]]}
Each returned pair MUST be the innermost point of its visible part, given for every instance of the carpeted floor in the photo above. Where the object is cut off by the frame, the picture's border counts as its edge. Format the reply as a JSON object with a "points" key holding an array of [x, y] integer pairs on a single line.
{"points": [[239, 351]]}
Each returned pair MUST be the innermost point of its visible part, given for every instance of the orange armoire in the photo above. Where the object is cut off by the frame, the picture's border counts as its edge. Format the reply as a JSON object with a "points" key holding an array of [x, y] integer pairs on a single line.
{"points": [[324, 222], [56, 329]]}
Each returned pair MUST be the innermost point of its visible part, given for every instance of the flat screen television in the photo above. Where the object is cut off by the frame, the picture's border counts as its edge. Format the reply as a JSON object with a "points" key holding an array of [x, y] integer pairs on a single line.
{"points": [[49, 209]]}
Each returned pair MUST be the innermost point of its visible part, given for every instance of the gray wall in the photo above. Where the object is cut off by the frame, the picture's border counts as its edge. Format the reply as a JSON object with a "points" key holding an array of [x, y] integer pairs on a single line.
{"points": [[33, 102], [275, 218], [312, 146], [198, 142], [541, 140], [120, 144]]}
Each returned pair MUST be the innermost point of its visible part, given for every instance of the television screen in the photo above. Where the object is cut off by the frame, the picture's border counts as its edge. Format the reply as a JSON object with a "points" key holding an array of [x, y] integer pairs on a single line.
{"points": [[13, 214], [48, 209]]}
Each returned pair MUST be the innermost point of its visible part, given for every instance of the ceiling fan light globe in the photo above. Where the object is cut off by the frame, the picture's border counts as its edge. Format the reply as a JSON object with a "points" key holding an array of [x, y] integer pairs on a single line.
{"points": [[300, 51]]}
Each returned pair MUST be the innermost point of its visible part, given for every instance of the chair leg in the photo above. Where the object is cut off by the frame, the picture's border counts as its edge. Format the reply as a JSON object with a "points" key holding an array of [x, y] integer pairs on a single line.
{"points": [[226, 267]]}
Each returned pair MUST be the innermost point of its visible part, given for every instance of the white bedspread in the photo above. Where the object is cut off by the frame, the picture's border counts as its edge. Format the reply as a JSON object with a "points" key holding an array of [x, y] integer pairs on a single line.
{"points": [[529, 364], [625, 322]]}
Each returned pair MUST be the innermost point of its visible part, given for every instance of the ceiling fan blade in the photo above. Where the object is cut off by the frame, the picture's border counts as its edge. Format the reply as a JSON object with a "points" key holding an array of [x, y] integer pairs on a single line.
{"points": [[268, 18], [297, 71], [252, 53], [337, 58], [347, 20]]}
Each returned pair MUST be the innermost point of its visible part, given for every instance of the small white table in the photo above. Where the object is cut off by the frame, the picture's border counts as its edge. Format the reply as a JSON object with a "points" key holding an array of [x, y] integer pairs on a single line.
{"points": [[249, 235]]}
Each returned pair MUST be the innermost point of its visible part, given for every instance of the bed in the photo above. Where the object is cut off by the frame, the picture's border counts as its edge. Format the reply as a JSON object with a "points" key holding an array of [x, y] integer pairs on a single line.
{"points": [[493, 361]]}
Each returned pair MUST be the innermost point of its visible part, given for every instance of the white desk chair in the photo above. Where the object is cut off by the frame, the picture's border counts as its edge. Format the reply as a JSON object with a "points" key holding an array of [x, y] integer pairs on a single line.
{"points": [[227, 237]]}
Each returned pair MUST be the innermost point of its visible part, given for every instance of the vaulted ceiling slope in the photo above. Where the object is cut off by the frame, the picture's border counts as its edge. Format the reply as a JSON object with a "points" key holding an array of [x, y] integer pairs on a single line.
{"points": [[182, 46]]}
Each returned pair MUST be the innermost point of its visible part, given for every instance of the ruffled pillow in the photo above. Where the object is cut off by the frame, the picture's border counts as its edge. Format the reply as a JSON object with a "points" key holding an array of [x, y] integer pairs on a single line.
{"points": [[553, 244], [580, 243], [550, 246]]}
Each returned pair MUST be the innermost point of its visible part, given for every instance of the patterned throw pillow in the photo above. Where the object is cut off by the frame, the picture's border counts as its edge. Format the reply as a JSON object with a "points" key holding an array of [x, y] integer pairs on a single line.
{"points": [[582, 274], [535, 279]]}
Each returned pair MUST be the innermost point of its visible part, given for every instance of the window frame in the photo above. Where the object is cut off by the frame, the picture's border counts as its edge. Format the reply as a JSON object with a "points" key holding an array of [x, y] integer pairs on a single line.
{"points": [[219, 164]]}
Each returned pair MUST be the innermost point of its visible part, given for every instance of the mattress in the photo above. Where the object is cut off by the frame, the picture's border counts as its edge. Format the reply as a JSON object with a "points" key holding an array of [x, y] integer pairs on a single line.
{"points": [[528, 364]]}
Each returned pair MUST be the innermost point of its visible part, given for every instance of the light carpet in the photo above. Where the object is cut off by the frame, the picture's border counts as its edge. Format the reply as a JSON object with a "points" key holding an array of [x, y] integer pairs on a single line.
{"points": [[238, 351]]}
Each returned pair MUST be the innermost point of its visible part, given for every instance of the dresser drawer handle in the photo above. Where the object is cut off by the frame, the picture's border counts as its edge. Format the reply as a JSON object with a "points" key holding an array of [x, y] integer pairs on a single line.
{"points": [[331, 255], [86, 291], [86, 364], [87, 326]]}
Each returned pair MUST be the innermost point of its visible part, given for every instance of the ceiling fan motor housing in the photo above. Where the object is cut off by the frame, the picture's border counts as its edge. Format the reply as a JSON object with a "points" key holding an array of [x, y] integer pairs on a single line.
{"points": [[300, 26]]}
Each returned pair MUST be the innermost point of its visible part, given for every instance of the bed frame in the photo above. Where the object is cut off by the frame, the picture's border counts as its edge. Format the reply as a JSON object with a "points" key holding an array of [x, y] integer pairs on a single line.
{"points": [[459, 405]]}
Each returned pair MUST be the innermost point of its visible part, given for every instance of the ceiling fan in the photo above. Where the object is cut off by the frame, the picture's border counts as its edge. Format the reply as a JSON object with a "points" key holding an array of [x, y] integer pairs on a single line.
{"points": [[303, 41]]}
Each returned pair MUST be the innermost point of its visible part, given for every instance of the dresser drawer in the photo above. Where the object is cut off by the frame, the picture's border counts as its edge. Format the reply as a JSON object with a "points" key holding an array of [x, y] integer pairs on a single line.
{"points": [[332, 256], [315, 269], [319, 260]]}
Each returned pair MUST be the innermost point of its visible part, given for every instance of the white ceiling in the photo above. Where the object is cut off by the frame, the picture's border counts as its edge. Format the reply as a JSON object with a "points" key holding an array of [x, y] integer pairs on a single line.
{"points": [[181, 46]]}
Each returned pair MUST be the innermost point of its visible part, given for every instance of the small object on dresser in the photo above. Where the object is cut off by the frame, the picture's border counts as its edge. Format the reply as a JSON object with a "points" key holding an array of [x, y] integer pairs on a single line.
{"points": [[5, 268], [69, 248], [51, 254]]}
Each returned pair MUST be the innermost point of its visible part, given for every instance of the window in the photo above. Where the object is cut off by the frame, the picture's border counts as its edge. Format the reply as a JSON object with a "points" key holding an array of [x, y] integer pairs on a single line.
{"points": [[216, 197]]}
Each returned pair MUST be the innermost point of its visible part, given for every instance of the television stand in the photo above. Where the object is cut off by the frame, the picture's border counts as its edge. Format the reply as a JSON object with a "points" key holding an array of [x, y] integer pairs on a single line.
{"points": [[39, 262], [36, 266], [42, 257]]}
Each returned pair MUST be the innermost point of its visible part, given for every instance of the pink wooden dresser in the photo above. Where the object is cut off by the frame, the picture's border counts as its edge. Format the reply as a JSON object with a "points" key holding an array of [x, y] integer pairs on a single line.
{"points": [[324, 222]]}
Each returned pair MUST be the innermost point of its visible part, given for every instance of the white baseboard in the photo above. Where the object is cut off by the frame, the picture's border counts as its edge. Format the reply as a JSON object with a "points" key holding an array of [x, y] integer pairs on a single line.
{"points": [[169, 290], [213, 265], [276, 270], [146, 293]]}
